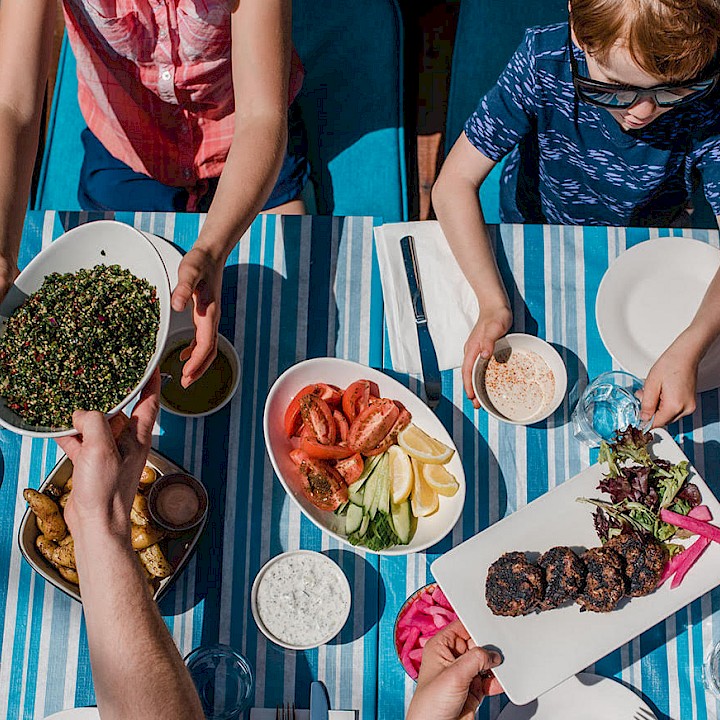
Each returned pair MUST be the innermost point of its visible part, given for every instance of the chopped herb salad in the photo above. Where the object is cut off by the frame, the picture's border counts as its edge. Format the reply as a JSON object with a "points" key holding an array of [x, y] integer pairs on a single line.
{"points": [[82, 341]]}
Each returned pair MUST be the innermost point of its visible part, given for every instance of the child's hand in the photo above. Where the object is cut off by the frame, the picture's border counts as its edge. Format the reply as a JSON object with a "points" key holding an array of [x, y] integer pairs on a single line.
{"points": [[669, 391], [492, 324], [200, 279]]}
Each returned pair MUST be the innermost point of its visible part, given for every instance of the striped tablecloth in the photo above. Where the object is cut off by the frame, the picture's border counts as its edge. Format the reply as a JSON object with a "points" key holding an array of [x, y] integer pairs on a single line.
{"points": [[299, 288], [294, 288], [552, 274]]}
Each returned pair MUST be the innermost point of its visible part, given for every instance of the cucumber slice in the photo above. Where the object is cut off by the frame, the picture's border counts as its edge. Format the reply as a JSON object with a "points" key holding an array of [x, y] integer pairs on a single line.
{"points": [[401, 520], [356, 498], [363, 526], [341, 508], [384, 499], [370, 465], [353, 519], [382, 479], [370, 491]]}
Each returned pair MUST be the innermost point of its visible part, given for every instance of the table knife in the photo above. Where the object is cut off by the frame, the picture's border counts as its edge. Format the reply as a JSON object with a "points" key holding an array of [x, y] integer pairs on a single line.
{"points": [[428, 356], [319, 703]]}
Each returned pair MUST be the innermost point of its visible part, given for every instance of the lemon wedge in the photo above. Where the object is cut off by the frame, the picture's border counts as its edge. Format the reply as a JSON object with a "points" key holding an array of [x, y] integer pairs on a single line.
{"points": [[424, 500], [420, 446], [401, 474], [440, 480]]}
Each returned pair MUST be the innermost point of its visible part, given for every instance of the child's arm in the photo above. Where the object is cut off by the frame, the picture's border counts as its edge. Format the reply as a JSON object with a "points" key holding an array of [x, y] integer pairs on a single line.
{"points": [[261, 50], [26, 30], [669, 391], [456, 203]]}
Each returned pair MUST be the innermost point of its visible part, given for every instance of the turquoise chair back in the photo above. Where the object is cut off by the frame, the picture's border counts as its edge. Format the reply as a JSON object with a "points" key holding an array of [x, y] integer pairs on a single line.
{"points": [[352, 103]]}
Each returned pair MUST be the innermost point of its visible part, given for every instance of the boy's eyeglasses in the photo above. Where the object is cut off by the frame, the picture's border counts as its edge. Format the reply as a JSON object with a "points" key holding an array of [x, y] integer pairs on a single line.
{"points": [[608, 95]]}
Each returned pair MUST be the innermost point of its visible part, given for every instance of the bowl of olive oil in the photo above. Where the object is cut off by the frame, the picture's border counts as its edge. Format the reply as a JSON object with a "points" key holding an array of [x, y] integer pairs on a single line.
{"points": [[210, 392]]}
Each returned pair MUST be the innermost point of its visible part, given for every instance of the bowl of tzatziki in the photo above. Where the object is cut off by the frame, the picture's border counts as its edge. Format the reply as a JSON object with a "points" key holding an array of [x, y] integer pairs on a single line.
{"points": [[523, 382], [300, 599]]}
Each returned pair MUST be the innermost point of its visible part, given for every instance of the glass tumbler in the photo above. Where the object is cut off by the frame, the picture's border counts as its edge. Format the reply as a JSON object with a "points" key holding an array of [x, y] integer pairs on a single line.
{"points": [[711, 671], [223, 678], [608, 404]]}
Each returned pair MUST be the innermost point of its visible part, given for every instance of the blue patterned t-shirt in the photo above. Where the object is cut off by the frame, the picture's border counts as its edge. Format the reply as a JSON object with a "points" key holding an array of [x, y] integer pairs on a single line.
{"points": [[571, 163]]}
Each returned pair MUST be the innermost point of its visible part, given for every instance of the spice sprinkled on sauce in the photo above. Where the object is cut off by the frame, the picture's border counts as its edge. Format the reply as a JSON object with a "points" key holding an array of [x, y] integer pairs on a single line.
{"points": [[302, 600], [520, 385]]}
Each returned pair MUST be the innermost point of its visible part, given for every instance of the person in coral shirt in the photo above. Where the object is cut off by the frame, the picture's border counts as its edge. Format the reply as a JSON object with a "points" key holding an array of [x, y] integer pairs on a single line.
{"points": [[187, 105]]}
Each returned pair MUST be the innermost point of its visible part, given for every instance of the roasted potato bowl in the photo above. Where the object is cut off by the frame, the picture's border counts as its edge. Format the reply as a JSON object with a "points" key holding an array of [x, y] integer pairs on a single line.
{"points": [[57, 547]]}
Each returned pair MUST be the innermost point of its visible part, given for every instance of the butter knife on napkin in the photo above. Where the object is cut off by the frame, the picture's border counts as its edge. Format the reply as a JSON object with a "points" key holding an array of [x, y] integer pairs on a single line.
{"points": [[428, 356]]}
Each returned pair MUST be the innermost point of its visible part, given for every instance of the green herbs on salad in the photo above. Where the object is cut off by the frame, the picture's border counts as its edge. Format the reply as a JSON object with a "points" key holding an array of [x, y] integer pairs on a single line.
{"points": [[82, 341], [640, 487]]}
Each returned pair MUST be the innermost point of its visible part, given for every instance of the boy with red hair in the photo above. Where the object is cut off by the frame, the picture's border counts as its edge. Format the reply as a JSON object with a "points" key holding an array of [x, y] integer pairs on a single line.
{"points": [[609, 119]]}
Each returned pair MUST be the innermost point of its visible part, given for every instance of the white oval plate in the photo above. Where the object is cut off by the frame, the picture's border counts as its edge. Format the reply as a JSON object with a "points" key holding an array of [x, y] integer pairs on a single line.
{"points": [[585, 695], [334, 371], [104, 242], [649, 295]]}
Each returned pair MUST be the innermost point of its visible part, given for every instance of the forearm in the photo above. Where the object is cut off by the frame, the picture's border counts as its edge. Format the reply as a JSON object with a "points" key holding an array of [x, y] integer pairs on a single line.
{"points": [[458, 209], [137, 670], [247, 180], [18, 147], [705, 326]]}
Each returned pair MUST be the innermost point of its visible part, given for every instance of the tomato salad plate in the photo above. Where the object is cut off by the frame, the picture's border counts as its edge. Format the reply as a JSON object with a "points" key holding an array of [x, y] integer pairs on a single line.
{"points": [[543, 647], [363, 457]]}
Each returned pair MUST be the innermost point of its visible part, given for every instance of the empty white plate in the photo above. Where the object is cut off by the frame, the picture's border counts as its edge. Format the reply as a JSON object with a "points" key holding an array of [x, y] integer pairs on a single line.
{"points": [[591, 697], [649, 295]]}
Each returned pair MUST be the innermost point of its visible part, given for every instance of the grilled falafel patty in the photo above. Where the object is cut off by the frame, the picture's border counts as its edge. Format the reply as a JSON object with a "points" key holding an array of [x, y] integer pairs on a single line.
{"points": [[604, 581], [564, 576], [645, 559], [514, 586]]}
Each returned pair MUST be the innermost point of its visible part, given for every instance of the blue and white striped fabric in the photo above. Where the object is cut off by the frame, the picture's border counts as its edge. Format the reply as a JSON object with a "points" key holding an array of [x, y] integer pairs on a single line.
{"points": [[294, 288], [552, 274]]}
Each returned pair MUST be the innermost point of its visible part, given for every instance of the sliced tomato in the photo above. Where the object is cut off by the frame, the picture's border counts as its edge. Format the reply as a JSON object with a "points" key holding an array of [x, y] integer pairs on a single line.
{"points": [[331, 394], [316, 414], [342, 425], [372, 425], [322, 484], [356, 398], [351, 468], [324, 452], [293, 419], [298, 456], [401, 423]]}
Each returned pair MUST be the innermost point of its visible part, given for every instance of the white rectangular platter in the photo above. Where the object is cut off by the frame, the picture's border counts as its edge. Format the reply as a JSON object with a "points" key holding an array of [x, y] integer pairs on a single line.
{"points": [[543, 649]]}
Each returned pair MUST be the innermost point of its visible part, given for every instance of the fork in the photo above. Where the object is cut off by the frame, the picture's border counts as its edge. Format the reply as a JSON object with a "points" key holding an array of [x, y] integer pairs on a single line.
{"points": [[285, 712], [643, 714]]}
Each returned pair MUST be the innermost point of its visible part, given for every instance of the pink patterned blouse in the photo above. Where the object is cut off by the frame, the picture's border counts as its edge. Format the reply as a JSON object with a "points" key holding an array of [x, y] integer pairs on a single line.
{"points": [[155, 84]]}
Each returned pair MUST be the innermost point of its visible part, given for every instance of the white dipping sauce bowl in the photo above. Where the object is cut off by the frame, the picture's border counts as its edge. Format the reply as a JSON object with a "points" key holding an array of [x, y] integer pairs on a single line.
{"points": [[329, 566], [521, 342]]}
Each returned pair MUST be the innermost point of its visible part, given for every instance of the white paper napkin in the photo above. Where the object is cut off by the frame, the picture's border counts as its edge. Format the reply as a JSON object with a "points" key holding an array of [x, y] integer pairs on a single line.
{"points": [[271, 714], [450, 303]]}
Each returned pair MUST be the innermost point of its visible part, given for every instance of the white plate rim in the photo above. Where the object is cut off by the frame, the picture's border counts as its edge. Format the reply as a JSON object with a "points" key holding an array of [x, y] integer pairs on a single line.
{"points": [[383, 380], [607, 325], [597, 688]]}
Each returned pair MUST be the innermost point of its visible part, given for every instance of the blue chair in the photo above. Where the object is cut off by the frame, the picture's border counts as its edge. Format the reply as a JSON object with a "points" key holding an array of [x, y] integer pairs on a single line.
{"points": [[352, 103]]}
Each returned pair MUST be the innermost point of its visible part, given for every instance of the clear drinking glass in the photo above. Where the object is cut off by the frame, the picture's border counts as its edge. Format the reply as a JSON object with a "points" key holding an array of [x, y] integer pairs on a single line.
{"points": [[711, 671], [223, 678], [608, 404]]}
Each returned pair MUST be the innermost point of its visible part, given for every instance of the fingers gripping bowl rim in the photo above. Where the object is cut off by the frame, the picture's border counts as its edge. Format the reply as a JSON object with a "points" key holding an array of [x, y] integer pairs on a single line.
{"points": [[103, 242], [524, 343], [342, 373]]}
